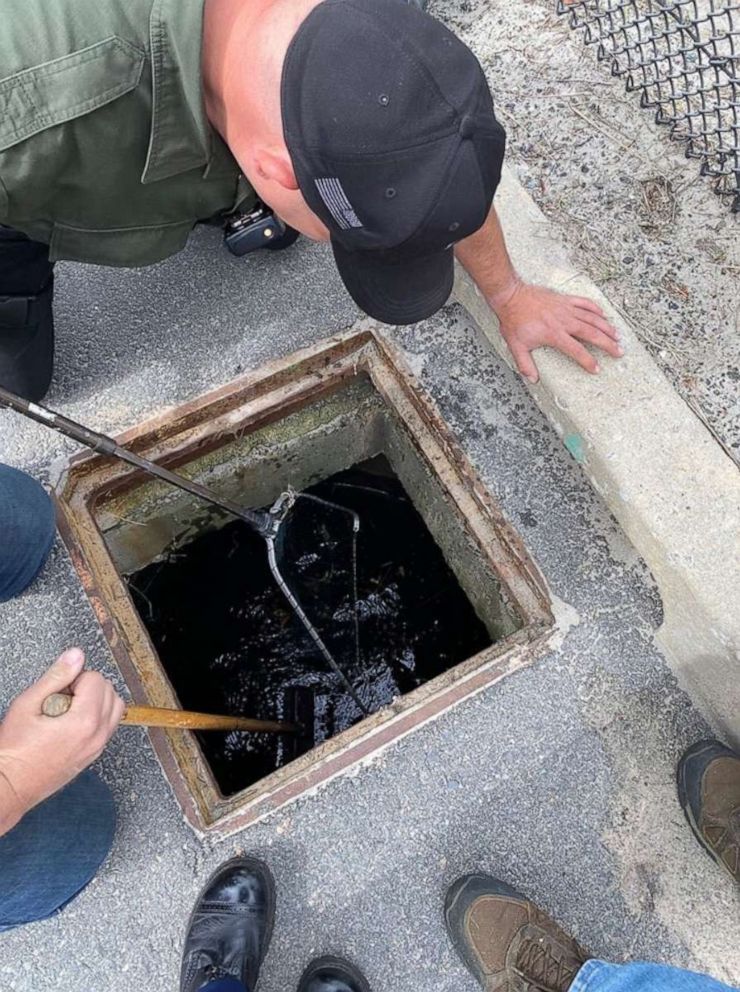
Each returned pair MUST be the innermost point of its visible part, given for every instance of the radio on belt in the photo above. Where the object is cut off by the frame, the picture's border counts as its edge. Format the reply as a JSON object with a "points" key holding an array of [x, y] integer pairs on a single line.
{"points": [[248, 232]]}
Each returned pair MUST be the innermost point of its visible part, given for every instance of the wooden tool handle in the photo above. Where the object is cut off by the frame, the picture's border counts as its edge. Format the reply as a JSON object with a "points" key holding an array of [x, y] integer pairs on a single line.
{"points": [[151, 716]]}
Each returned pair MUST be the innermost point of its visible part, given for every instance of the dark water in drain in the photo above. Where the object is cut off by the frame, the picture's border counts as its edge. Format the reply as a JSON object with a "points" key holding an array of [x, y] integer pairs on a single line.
{"points": [[230, 643]]}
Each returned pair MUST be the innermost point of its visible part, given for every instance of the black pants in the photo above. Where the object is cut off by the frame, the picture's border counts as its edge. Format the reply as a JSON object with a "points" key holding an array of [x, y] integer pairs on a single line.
{"points": [[24, 264], [26, 315]]}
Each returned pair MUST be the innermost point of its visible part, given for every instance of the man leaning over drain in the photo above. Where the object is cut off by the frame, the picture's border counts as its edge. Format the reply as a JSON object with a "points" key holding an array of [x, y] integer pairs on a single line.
{"points": [[123, 123]]}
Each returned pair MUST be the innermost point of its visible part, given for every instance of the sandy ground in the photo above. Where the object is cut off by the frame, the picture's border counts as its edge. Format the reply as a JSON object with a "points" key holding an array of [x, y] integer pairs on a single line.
{"points": [[634, 212]]}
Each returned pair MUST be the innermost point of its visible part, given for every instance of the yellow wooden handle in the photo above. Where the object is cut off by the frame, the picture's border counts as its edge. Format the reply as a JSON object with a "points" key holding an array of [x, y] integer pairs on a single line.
{"points": [[151, 716]]}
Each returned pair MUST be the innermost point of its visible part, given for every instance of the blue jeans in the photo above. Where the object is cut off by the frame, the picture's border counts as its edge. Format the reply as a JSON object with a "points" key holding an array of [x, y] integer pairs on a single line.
{"points": [[224, 985], [27, 529], [595, 976], [55, 850], [598, 976]]}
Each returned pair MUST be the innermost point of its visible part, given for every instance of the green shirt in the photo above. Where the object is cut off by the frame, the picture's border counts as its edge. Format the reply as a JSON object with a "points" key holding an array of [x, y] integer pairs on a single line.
{"points": [[106, 153]]}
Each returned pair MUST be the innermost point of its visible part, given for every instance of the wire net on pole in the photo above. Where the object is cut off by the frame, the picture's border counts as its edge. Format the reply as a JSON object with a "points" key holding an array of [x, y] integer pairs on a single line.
{"points": [[683, 57]]}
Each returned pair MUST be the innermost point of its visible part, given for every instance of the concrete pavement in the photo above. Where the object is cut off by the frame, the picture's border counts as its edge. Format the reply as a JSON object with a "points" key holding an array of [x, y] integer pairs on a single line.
{"points": [[560, 778]]}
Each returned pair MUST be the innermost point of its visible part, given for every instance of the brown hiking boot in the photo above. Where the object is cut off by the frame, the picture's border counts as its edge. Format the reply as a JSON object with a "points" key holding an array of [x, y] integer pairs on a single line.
{"points": [[709, 790], [506, 941]]}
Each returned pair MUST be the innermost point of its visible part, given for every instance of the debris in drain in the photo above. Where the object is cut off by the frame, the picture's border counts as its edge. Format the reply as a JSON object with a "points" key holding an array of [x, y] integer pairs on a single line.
{"points": [[230, 643]]}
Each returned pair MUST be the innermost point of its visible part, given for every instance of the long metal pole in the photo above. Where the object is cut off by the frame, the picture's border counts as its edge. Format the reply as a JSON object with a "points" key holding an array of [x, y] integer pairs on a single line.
{"points": [[310, 629], [264, 523]]}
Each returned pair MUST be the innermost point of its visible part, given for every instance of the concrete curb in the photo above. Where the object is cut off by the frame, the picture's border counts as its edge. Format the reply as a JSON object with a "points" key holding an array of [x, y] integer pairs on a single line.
{"points": [[661, 472]]}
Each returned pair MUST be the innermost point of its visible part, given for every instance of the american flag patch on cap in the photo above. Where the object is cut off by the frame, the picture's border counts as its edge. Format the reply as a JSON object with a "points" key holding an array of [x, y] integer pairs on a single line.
{"points": [[333, 195]]}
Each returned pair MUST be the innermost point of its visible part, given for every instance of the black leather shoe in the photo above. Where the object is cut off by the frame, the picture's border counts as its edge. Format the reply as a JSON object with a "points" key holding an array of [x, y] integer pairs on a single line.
{"points": [[230, 928], [27, 343], [332, 975]]}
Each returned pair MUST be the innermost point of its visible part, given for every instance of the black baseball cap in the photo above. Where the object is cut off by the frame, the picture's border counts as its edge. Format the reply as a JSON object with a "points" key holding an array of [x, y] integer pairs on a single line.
{"points": [[390, 127]]}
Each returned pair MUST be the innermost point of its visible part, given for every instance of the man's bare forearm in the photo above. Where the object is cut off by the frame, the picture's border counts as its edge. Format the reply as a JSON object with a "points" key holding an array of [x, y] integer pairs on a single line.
{"points": [[485, 256], [530, 316]]}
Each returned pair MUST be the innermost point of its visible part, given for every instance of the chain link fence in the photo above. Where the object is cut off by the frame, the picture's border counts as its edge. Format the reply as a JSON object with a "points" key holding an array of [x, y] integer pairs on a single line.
{"points": [[683, 58]]}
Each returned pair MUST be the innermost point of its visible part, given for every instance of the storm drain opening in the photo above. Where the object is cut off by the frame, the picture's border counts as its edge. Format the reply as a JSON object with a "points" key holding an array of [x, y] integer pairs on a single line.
{"points": [[214, 603], [441, 592]]}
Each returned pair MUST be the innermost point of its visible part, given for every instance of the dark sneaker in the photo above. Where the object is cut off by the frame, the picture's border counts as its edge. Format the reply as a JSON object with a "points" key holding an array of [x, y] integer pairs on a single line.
{"points": [[332, 975], [230, 928], [709, 790], [506, 941], [27, 343]]}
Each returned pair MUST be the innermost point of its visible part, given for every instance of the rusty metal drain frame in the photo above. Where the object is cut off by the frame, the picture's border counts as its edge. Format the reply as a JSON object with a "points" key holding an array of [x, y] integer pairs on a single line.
{"points": [[206, 424]]}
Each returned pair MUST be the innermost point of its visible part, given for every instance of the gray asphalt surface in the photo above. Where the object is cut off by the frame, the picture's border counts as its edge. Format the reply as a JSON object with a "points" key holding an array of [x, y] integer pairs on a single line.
{"points": [[559, 779]]}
